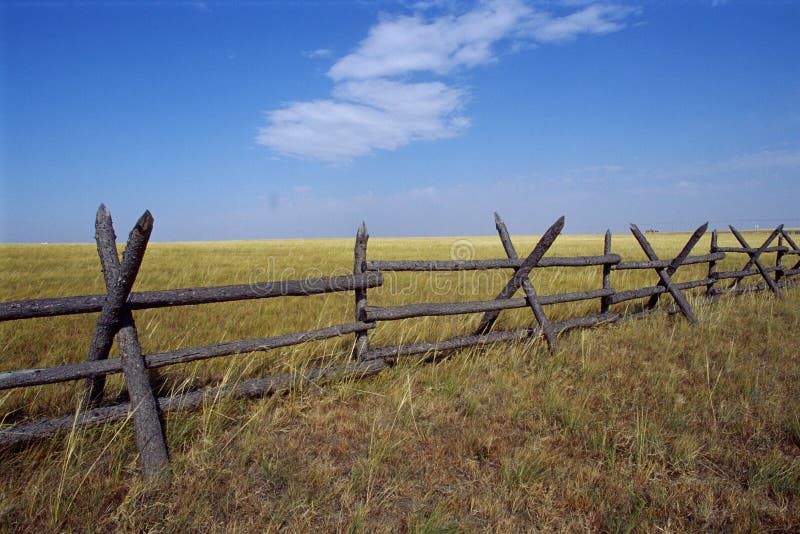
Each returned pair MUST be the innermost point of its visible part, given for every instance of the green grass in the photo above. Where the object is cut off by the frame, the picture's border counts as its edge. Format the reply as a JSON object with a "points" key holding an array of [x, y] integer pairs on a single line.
{"points": [[647, 425]]}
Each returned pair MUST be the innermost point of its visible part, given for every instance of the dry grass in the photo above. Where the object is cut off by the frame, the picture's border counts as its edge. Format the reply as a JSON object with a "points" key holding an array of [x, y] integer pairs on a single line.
{"points": [[642, 426]]}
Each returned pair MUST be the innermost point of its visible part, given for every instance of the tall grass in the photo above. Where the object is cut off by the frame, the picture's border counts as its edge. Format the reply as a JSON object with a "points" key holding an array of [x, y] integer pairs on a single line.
{"points": [[642, 426]]}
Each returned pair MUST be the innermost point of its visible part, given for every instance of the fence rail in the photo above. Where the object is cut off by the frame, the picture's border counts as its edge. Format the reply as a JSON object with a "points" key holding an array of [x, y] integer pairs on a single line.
{"points": [[116, 320]]}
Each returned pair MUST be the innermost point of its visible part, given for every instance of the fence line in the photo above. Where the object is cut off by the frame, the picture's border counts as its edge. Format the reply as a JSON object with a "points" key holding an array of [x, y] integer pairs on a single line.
{"points": [[116, 319]]}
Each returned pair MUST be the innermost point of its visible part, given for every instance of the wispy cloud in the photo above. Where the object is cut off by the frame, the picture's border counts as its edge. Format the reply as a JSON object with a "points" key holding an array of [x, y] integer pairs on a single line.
{"points": [[374, 106], [318, 53], [410, 44]]}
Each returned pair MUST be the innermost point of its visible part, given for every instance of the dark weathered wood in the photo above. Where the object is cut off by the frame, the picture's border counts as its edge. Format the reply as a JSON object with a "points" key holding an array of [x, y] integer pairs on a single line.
{"points": [[712, 265], [361, 344], [106, 242], [478, 265], [740, 275], [678, 260], [790, 240], [779, 260], [623, 296], [741, 250], [150, 440], [754, 256], [757, 252], [527, 286], [119, 277], [64, 373], [644, 314], [48, 307], [784, 283], [671, 310], [254, 345], [119, 280], [433, 309], [741, 289], [795, 250], [22, 434], [656, 264], [680, 300], [522, 273], [604, 302], [391, 353]]}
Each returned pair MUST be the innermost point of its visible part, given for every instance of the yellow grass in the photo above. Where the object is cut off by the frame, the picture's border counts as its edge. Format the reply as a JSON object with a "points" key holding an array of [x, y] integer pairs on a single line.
{"points": [[647, 425]]}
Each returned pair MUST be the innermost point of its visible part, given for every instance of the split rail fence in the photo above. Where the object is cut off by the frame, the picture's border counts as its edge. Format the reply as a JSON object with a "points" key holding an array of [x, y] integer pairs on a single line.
{"points": [[116, 320]]}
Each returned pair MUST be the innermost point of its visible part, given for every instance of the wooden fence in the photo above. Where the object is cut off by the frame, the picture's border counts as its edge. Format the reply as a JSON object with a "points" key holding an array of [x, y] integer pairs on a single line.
{"points": [[116, 320]]}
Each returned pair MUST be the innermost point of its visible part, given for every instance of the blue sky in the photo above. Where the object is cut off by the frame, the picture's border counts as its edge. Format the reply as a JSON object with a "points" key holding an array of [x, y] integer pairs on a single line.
{"points": [[263, 120]]}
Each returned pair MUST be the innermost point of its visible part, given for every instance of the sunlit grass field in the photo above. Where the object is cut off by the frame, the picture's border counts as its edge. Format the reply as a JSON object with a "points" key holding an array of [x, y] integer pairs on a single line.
{"points": [[647, 425]]}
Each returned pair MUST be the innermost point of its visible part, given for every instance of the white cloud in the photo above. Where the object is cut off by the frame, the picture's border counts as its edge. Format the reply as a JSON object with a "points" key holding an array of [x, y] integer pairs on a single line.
{"points": [[409, 44], [594, 19], [371, 109], [373, 114]]}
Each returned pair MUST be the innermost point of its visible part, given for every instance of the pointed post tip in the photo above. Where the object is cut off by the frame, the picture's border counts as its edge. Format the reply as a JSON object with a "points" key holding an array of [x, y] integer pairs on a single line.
{"points": [[145, 222], [103, 213]]}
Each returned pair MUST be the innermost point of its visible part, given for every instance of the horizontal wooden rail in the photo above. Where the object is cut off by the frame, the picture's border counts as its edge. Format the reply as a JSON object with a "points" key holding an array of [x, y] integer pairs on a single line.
{"points": [[671, 310], [48, 307], [428, 309], [655, 264], [64, 373], [21, 434], [742, 250], [622, 296], [721, 275], [476, 265], [785, 282], [391, 353]]}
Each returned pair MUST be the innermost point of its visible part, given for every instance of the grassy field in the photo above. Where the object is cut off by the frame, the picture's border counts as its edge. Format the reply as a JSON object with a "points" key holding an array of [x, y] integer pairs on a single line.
{"points": [[649, 425]]}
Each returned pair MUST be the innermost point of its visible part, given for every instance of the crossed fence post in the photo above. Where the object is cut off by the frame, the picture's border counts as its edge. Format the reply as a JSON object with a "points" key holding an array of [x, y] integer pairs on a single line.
{"points": [[116, 320], [665, 273], [754, 257], [678, 260], [521, 279]]}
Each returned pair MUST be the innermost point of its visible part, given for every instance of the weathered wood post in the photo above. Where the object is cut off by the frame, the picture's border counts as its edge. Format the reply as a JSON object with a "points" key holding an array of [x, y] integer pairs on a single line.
{"points": [[520, 275], [116, 318], [712, 266], [794, 247], [604, 301], [779, 260], [664, 275], [755, 255], [678, 260], [359, 267], [527, 285]]}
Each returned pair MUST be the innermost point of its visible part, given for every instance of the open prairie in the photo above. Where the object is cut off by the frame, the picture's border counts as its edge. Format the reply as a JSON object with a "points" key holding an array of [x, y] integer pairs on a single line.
{"points": [[647, 425]]}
